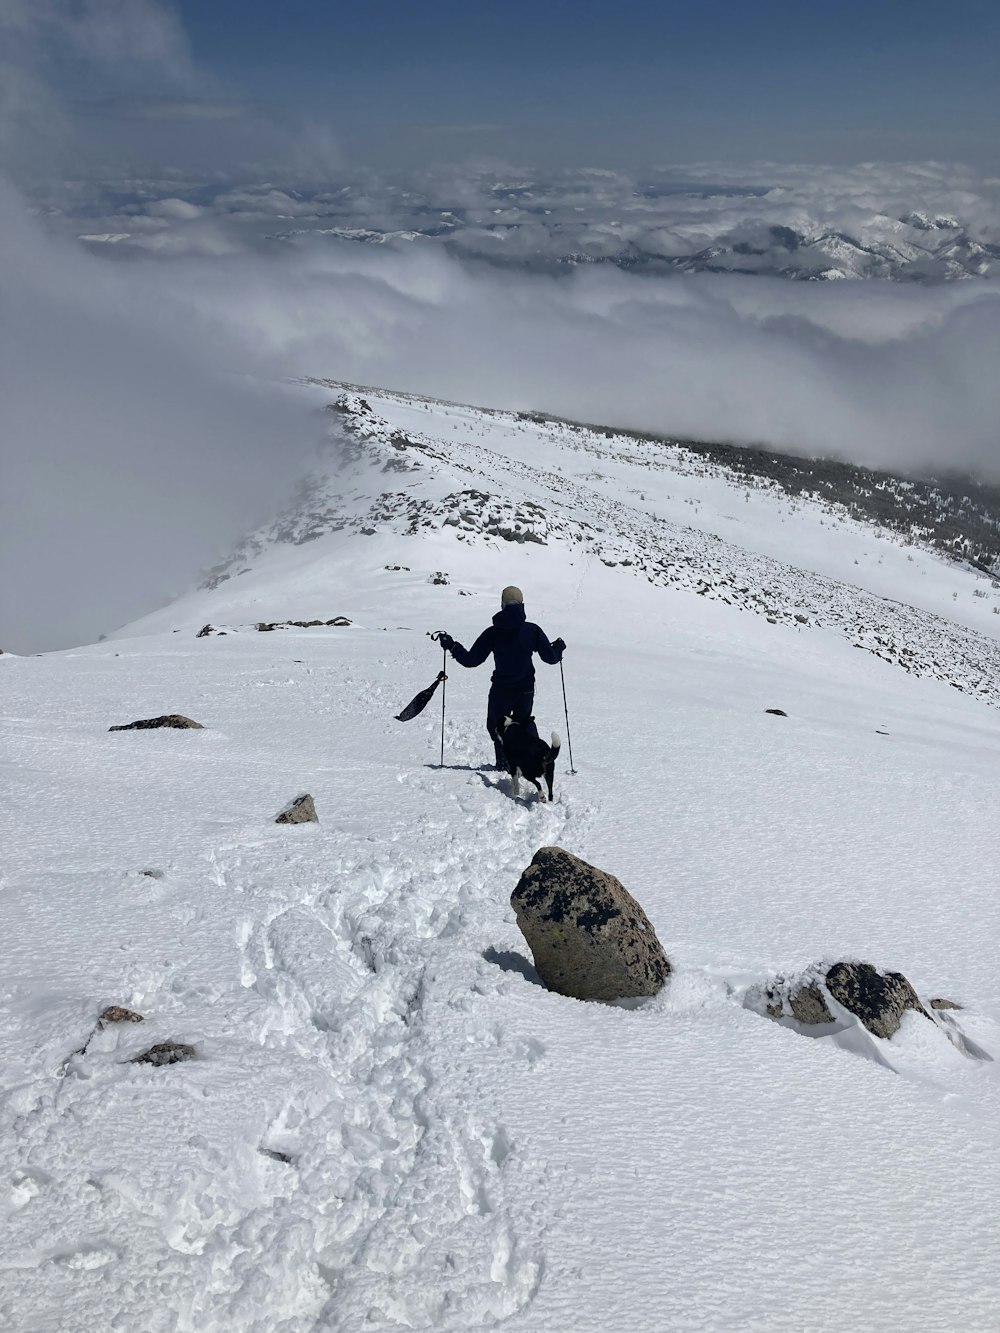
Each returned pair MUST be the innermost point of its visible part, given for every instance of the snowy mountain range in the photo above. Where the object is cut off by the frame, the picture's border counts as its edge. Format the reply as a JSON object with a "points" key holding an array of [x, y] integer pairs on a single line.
{"points": [[782, 691], [913, 248], [928, 222]]}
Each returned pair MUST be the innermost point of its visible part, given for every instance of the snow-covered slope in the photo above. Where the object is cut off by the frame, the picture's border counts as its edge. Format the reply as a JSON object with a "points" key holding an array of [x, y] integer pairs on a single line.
{"points": [[389, 1123], [417, 467]]}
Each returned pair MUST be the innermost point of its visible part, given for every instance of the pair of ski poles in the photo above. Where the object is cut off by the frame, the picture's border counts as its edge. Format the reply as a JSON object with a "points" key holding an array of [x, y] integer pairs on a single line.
{"points": [[444, 687]]}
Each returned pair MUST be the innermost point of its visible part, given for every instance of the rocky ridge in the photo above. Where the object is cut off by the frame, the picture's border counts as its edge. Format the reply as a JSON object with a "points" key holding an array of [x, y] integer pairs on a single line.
{"points": [[381, 479]]}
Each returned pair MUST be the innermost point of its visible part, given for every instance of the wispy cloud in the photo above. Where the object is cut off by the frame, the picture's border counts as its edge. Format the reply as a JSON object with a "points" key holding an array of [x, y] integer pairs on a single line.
{"points": [[173, 108], [458, 130], [53, 51], [132, 454], [111, 85]]}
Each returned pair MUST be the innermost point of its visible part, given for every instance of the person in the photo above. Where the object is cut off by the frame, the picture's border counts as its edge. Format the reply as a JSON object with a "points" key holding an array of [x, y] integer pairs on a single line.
{"points": [[512, 640]]}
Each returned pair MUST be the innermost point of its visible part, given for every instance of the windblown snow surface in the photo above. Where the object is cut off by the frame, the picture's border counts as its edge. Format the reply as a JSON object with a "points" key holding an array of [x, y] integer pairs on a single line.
{"points": [[389, 1123]]}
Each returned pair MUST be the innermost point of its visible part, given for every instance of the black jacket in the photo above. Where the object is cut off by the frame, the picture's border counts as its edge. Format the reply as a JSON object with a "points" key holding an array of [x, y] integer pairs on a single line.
{"points": [[512, 640]]}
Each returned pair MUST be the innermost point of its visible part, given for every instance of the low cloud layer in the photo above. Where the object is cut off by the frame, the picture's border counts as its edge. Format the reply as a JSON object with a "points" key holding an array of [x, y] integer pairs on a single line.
{"points": [[133, 452], [883, 374], [144, 426]]}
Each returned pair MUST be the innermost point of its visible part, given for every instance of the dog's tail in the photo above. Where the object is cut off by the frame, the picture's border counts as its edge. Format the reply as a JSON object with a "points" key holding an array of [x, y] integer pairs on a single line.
{"points": [[556, 744]]}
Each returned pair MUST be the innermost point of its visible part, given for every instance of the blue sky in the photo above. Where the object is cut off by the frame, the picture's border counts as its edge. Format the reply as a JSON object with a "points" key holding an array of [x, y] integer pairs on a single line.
{"points": [[617, 84]]}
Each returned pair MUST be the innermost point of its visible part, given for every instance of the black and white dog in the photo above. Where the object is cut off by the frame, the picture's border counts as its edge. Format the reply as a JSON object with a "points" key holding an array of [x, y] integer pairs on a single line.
{"points": [[528, 756]]}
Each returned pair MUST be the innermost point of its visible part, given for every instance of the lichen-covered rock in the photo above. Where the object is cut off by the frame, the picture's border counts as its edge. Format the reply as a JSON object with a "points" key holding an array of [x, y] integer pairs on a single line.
{"points": [[266, 626], [808, 1006], [165, 1053], [300, 811], [167, 720], [589, 937], [116, 1013], [877, 999]]}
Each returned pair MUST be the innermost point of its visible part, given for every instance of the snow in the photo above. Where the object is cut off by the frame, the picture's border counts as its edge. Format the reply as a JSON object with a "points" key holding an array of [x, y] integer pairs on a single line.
{"points": [[389, 1123]]}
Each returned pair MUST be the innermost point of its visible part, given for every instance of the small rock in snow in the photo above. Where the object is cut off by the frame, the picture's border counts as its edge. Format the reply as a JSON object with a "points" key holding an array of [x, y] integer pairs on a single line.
{"points": [[877, 999], [942, 1003], [776, 712], [808, 1006], [167, 720], [165, 1053], [116, 1013], [275, 1155], [300, 811]]}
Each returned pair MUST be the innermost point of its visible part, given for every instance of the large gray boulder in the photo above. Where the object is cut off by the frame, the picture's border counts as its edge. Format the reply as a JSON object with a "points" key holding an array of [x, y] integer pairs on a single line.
{"points": [[877, 999], [589, 937]]}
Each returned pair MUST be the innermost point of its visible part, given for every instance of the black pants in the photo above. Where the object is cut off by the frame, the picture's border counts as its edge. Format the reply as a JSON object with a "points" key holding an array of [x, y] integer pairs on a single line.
{"points": [[514, 701]]}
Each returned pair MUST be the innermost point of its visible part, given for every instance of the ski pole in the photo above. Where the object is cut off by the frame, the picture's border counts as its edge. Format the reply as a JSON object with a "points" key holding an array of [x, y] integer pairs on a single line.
{"points": [[444, 687], [569, 739]]}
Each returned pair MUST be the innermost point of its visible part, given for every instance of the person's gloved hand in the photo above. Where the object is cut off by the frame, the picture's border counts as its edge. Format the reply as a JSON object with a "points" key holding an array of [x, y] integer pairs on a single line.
{"points": [[559, 645], [446, 641]]}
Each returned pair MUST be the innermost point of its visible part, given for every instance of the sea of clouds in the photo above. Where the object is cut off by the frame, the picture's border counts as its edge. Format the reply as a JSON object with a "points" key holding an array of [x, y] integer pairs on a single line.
{"points": [[918, 221], [145, 419]]}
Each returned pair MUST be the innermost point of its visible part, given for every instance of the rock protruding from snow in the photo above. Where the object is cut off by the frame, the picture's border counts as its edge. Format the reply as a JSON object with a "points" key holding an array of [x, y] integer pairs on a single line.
{"points": [[167, 720], [300, 811], [165, 1053], [265, 626], [117, 1013], [877, 999], [589, 937], [807, 1006]]}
